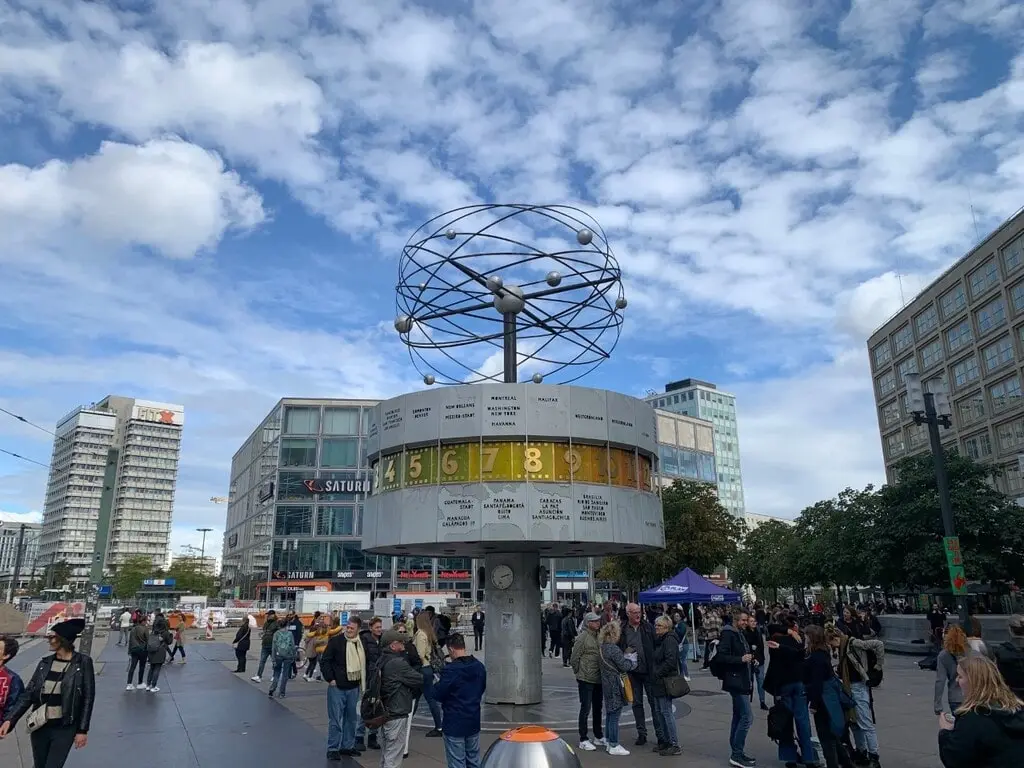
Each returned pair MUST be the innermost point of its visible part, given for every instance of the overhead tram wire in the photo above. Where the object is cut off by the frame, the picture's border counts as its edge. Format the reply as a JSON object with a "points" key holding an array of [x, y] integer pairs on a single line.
{"points": [[24, 458], [23, 420]]}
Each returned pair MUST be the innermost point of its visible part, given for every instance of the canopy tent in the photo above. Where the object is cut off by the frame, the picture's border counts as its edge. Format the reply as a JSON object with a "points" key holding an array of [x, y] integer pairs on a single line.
{"points": [[688, 587]]}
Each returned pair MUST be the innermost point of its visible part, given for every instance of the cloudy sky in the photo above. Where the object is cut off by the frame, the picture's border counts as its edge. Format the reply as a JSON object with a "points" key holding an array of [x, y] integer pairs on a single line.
{"points": [[204, 202]]}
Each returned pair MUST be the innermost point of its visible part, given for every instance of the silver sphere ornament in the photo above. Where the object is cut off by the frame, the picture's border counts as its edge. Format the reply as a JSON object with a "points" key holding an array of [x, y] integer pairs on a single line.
{"points": [[553, 279], [428, 379], [537, 378], [403, 323], [509, 300], [450, 234], [584, 237], [621, 303], [422, 287], [494, 283]]}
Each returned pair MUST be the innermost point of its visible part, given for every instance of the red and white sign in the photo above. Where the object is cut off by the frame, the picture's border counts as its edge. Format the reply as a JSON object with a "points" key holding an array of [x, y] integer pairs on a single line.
{"points": [[158, 413]]}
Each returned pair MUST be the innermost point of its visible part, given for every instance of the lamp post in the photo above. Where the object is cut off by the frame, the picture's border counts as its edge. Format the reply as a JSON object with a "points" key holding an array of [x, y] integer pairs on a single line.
{"points": [[202, 549], [932, 409]]}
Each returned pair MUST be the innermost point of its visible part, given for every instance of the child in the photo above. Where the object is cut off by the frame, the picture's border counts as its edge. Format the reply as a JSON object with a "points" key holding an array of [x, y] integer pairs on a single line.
{"points": [[11, 685]]}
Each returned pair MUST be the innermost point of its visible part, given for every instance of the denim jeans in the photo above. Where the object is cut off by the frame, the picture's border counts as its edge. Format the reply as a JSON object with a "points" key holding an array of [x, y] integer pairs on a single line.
{"points": [[643, 684], [591, 701], [264, 655], [664, 703], [742, 718], [282, 674], [462, 752], [759, 679], [793, 697], [137, 660], [684, 651], [864, 735], [428, 694], [154, 675], [125, 632], [342, 716], [611, 726]]}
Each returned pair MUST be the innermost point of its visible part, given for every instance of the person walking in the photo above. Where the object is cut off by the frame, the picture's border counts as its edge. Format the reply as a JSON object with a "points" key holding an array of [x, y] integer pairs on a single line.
{"points": [[179, 640], [785, 682], [156, 648], [682, 633], [665, 665], [344, 669], [954, 648], [400, 684], [477, 620], [755, 635], [988, 731], [125, 625], [430, 654], [315, 645], [243, 638], [824, 698], [459, 692], [568, 629], [585, 660], [138, 652], [294, 624], [270, 627], [732, 664], [283, 652], [637, 636], [58, 699], [554, 621], [614, 664]]}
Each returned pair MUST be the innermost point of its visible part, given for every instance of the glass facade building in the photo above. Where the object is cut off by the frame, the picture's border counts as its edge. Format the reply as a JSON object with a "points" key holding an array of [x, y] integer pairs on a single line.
{"points": [[295, 507]]}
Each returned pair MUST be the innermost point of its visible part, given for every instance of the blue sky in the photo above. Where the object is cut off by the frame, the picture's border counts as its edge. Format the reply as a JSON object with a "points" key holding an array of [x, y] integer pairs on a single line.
{"points": [[204, 202]]}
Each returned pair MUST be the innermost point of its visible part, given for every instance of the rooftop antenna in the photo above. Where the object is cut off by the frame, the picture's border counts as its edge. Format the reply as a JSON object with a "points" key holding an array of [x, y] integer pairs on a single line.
{"points": [[974, 217]]}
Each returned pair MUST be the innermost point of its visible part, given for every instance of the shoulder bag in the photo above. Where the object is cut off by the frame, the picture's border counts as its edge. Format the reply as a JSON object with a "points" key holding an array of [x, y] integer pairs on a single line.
{"points": [[624, 681]]}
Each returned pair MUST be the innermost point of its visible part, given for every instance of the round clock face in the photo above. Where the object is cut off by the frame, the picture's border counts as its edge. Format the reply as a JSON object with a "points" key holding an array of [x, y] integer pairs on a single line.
{"points": [[502, 577]]}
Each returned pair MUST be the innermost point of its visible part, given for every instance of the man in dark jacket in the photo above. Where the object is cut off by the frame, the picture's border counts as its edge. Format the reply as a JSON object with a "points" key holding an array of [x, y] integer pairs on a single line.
{"points": [[638, 634], [345, 669], [568, 635], [478, 619], [400, 685], [754, 634], [270, 626], [371, 644], [554, 622], [294, 624], [1009, 656], [459, 691], [732, 665]]}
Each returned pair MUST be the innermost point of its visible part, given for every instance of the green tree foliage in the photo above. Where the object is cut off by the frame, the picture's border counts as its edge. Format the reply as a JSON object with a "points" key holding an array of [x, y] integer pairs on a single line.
{"points": [[834, 540], [189, 576], [57, 575], [699, 533], [128, 577], [769, 557]]}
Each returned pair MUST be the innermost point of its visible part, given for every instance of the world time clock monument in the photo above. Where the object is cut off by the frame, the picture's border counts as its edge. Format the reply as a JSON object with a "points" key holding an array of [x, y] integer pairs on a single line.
{"points": [[491, 468]]}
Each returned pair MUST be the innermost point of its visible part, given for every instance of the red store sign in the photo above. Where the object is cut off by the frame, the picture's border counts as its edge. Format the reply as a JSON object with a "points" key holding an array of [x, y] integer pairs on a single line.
{"points": [[453, 575], [414, 575]]}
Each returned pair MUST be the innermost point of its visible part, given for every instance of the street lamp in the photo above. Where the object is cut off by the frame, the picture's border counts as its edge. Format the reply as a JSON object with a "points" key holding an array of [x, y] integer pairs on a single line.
{"points": [[202, 549], [932, 408]]}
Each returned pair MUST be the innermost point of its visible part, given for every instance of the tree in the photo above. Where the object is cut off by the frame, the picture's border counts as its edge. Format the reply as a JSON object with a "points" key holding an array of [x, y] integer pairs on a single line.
{"points": [[699, 533], [57, 574], [767, 559], [190, 576], [908, 530], [128, 576], [835, 540]]}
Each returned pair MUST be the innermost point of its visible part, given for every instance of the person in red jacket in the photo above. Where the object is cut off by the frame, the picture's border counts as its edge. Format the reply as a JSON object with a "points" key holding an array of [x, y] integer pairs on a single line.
{"points": [[11, 685]]}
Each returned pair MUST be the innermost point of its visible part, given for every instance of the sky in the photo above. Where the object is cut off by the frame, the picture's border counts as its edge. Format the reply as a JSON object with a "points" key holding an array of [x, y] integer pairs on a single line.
{"points": [[205, 202]]}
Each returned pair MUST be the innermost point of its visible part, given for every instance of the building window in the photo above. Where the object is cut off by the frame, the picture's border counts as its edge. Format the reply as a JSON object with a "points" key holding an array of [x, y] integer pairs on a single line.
{"points": [[340, 452], [953, 302], [999, 354], [1010, 435], [903, 406], [937, 384], [290, 486], [931, 354], [1013, 253], [894, 444], [886, 383], [958, 336], [298, 452], [983, 278], [917, 434], [927, 321], [890, 414], [992, 315], [301, 421], [903, 338], [966, 371], [978, 446], [970, 410], [341, 421], [336, 521], [1014, 478], [293, 521], [1005, 394], [906, 366], [1017, 298]]}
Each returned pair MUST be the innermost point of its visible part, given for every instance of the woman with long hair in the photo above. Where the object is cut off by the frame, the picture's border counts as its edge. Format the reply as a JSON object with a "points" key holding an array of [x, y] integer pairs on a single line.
{"points": [[825, 696], [785, 682], [425, 641], [954, 648], [614, 664], [988, 731]]}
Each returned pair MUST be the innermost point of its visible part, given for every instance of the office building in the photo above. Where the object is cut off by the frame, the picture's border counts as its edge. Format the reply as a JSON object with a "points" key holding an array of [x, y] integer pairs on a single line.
{"points": [[703, 400], [10, 533], [142, 440], [964, 335], [207, 564], [754, 520]]}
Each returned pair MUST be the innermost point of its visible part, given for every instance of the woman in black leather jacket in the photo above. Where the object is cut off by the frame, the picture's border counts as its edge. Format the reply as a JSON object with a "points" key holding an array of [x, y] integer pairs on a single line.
{"points": [[58, 700]]}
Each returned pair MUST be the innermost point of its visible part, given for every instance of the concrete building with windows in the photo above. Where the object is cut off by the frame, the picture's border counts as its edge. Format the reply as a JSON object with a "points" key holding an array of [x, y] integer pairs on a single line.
{"points": [[10, 534], [703, 400], [141, 440], [964, 334]]}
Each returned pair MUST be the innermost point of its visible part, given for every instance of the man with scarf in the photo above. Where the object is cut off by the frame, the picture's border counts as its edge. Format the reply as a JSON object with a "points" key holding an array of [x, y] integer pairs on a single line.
{"points": [[343, 666]]}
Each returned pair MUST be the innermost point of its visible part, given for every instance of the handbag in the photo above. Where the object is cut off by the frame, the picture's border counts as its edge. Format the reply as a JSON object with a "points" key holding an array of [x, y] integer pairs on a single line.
{"points": [[624, 681], [36, 719], [676, 687]]}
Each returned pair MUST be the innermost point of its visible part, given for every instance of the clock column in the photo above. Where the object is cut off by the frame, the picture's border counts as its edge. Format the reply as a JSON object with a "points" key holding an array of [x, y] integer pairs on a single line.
{"points": [[512, 632]]}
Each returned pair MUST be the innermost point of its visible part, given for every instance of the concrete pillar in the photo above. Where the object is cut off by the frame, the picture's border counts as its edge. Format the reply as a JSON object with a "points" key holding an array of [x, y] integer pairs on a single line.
{"points": [[512, 632]]}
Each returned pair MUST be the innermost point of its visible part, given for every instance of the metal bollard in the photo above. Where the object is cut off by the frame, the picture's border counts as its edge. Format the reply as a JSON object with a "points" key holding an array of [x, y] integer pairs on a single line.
{"points": [[530, 746]]}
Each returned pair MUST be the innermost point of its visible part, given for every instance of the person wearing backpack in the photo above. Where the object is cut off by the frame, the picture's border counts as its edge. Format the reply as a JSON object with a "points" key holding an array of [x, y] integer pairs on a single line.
{"points": [[459, 692], [344, 668], [400, 684], [283, 652], [860, 668], [138, 653], [156, 647], [270, 627], [1009, 657]]}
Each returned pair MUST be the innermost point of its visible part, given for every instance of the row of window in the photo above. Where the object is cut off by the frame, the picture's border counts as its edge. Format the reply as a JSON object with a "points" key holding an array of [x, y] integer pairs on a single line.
{"points": [[308, 420], [333, 520], [334, 452], [1002, 396]]}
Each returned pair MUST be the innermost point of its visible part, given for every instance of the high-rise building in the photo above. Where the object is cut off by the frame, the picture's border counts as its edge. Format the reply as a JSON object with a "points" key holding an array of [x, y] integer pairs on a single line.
{"points": [[964, 335], [205, 564], [703, 400], [143, 440], [10, 534]]}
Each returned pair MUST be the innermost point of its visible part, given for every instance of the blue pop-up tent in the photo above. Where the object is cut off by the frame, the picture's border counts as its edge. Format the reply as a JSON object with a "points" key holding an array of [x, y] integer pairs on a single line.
{"points": [[688, 586]]}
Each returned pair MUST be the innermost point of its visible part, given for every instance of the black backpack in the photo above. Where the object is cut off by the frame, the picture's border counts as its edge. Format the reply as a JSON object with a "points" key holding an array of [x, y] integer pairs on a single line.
{"points": [[445, 624], [780, 724], [371, 707], [1010, 661]]}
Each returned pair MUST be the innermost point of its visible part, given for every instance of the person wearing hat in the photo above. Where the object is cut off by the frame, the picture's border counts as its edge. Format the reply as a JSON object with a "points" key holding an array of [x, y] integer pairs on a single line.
{"points": [[58, 699], [585, 661], [400, 684]]}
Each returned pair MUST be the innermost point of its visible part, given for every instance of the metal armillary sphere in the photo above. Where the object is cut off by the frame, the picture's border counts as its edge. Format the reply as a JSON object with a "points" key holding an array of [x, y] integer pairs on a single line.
{"points": [[536, 283]]}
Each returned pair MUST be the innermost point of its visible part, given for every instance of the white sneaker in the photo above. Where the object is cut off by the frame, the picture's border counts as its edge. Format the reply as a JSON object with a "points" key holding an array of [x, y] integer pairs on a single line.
{"points": [[600, 742], [129, 687], [256, 679], [587, 746], [686, 678], [154, 689], [618, 750]]}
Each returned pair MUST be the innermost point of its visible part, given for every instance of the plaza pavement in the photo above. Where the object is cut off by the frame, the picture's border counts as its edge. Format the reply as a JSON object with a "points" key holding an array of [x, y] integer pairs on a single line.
{"points": [[206, 716]]}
